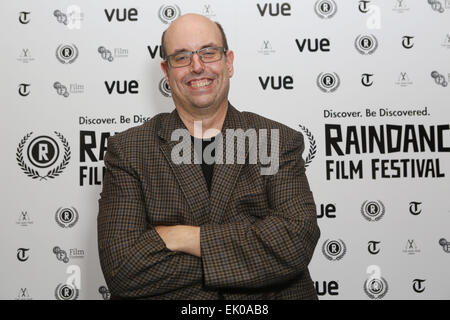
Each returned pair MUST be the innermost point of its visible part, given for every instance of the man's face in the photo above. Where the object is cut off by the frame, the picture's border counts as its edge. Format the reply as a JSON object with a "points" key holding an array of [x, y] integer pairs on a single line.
{"points": [[199, 85]]}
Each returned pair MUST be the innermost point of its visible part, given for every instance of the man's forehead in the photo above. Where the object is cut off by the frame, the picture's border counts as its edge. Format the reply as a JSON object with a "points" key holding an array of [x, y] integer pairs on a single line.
{"points": [[192, 31]]}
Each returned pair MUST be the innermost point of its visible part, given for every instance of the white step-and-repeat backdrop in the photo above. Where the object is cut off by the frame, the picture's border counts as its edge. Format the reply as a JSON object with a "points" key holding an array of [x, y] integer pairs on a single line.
{"points": [[366, 82]]}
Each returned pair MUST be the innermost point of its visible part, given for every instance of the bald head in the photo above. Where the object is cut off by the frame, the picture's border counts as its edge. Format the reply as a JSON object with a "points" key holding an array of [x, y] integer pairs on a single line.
{"points": [[189, 23]]}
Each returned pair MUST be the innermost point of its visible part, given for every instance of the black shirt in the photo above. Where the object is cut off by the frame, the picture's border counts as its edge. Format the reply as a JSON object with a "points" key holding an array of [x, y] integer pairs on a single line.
{"points": [[208, 169]]}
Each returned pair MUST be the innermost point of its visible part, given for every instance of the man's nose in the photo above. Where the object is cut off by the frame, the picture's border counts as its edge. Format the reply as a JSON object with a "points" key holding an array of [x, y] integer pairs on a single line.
{"points": [[197, 64]]}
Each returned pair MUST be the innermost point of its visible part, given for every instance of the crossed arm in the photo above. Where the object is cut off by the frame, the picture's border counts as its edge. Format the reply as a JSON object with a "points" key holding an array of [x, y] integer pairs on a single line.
{"points": [[141, 260]]}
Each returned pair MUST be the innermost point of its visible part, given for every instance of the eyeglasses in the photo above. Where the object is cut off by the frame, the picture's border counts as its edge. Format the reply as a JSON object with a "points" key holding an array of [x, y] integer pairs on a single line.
{"points": [[207, 55]]}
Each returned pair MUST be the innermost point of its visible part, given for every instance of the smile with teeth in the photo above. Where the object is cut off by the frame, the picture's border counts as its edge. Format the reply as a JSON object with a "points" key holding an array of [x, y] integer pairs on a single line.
{"points": [[200, 83]]}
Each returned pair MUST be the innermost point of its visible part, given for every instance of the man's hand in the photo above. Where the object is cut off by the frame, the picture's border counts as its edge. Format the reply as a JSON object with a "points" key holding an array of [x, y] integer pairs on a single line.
{"points": [[181, 238]]}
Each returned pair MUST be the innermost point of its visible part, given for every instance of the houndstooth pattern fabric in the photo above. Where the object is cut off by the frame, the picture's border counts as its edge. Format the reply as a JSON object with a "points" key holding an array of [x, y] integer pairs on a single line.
{"points": [[257, 232]]}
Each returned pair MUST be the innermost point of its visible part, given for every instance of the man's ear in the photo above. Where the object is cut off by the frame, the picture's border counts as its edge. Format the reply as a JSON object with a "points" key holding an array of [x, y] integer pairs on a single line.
{"points": [[229, 61], [164, 68]]}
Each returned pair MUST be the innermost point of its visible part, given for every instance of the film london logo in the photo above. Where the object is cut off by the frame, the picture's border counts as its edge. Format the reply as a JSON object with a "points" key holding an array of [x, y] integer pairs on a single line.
{"points": [[66, 53], [312, 150], [376, 288], [328, 81], [372, 210], [62, 256], [445, 245], [439, 5], [164, 88], [334, 250], [325, 9], [110, 56], [42, 153], [366, 44], [168, 13], [74, 88], [106, 295], [66, 217], [439, 79], [72, 18], [66, 292]]}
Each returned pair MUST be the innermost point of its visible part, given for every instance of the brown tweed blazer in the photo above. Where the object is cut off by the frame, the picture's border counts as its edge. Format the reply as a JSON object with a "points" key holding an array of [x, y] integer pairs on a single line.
{"points": [[258, 232]]}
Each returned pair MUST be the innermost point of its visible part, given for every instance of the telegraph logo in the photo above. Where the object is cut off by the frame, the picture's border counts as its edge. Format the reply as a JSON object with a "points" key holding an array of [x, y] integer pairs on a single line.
{"points": [[66, 292], [106, 295], [366, 79], [372, 210], [24, 17], [22, 254], [439, 79], [445, 245], [376, 288], [407, 42], [372, 247], [366, 44], [328, 82], [164, 88], [168, 13], [334, 250], [43, 152], [61, 255], [66, 217], [325, 9], [67, 53], [362, 7], [24, 90], [418, 285], [312, 145], [414, 208]]}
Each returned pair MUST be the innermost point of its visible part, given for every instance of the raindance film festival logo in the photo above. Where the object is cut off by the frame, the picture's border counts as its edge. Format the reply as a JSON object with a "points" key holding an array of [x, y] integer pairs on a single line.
{"points": [[66, 217], [168, 13], [325, 9], [42, 153], [376, 288], [328, 82], [312, 145], [164, 88], [366, 44], [66, 292], [372, 210], [334, 250], [66, 53]]}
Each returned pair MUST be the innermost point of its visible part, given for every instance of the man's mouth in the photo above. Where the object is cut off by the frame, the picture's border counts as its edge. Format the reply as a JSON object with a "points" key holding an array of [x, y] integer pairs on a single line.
{"points": [[200, 83]]}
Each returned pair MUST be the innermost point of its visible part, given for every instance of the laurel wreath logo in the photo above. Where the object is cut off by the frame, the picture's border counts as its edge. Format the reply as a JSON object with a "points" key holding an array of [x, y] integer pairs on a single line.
{"points": [[312, 145], [30, 172], [378, 295], [331, 258], [369, 218]]}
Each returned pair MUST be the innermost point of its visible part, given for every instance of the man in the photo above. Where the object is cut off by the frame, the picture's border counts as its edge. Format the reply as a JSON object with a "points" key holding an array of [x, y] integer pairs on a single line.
{"points": [[164, 232]]}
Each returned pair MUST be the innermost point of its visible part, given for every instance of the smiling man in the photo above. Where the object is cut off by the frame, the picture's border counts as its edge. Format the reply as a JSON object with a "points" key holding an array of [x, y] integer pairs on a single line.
{"points": [[169, 230]]}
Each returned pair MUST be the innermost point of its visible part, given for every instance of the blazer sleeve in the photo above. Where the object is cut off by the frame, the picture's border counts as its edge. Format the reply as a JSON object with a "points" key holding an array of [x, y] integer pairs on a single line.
{"points": [[134, 259], [274, 249]]}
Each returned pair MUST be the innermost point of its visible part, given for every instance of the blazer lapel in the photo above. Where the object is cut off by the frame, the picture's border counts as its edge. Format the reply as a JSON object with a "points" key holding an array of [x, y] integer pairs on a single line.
{"points": [[225, 175], [189, 176]]}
